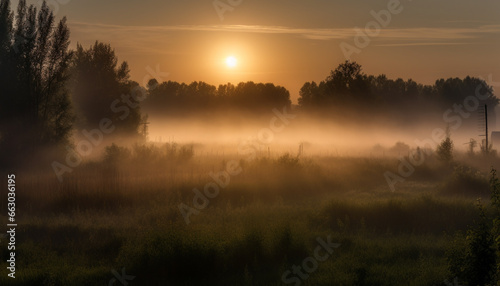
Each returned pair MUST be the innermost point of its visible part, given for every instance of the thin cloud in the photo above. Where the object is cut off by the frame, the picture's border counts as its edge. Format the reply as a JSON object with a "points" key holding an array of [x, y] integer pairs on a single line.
{"points": [[422, 44], [317, 34], [145, 37], [320, 33]]}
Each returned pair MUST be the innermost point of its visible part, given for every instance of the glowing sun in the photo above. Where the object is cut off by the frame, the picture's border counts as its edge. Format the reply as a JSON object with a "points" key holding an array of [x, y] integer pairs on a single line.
{"points": [[231, 62]]}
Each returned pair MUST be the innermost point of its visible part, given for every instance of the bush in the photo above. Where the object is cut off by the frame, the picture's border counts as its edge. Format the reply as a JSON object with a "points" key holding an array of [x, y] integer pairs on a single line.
{"points": [[288, 161], [114, 153], [171, 150], [148, 153], [475, 259], [467, 181], [400, 148], [476, 263], [186, 153]]}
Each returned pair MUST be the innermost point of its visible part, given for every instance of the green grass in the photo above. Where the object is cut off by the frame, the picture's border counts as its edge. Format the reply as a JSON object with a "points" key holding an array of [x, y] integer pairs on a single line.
{"points": [[265, 221]]}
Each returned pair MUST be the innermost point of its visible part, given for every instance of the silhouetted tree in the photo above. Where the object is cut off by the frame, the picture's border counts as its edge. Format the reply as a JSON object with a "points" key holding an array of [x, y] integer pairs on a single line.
{"points": [[309, 95], [454, 91], [349, 84], [445, 148], [101, 89], [35, 110], [7, 99], [161, 95], [344, 77], [5, 31], [346, 85]]}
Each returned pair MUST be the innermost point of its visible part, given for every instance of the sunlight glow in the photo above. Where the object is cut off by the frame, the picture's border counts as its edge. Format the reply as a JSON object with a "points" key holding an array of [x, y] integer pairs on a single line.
{"points": [[231, 62]]}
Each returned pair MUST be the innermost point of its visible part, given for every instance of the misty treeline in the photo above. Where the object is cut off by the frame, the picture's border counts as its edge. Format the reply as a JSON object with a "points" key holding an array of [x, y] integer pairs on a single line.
{"points": [[349, 89], [173, 98], [50, 93]]}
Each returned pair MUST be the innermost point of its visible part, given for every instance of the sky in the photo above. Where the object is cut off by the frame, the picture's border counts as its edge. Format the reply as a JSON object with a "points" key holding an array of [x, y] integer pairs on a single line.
{"points": [[290, 42]]}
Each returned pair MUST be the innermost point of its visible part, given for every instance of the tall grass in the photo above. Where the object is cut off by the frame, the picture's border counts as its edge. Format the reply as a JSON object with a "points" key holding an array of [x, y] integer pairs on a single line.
{"points": [[123, 212]]}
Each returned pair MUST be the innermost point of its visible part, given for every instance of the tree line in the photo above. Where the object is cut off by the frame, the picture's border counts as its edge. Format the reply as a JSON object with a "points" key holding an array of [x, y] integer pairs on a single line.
{"points": [[175, 98], [349, 88]]}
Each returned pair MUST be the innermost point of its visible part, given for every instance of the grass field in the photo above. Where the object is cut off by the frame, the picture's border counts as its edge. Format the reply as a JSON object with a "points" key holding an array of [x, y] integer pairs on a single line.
{"points": [[122, 217]]}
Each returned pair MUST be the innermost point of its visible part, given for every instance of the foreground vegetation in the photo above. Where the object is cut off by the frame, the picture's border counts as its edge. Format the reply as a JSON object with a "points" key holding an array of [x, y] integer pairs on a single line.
{"points": [[124, 215]]}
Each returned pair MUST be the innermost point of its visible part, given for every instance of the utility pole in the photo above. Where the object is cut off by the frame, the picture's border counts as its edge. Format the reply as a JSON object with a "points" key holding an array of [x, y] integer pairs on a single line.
{"points": [[484, 124], [145, 129]]}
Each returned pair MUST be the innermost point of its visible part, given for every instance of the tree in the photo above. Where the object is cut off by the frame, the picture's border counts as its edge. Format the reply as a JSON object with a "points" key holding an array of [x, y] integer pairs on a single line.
{"points": [[99, 85], [455, 90], [347, 84], [471, 145], [445, 148], [35, 109], [345, 74], [5, 30], [309, 95]]}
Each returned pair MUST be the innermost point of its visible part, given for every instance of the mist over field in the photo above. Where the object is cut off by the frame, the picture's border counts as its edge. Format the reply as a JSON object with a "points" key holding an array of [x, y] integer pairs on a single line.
{"points": [[349, 138], [283, 145]]}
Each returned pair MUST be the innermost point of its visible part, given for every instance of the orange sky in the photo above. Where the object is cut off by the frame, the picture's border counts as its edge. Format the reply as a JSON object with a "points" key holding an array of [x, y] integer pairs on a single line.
{"points": [[293, 41]]}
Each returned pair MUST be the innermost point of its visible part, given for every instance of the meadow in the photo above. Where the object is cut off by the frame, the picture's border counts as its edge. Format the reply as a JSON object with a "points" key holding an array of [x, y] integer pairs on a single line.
{"points": [[120, 217]]}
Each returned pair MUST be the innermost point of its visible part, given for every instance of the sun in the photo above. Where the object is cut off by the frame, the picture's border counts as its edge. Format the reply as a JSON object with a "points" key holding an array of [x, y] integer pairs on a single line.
{"points": [[231, 62]]}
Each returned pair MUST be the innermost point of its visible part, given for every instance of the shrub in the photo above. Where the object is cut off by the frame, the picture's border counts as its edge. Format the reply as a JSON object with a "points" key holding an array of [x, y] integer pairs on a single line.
{"points": [[146, 153], [170, 150], [477, 262], [185, 153], [467, 181], [475, 259], [288, 161], [400, 148], [115, 153]]}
